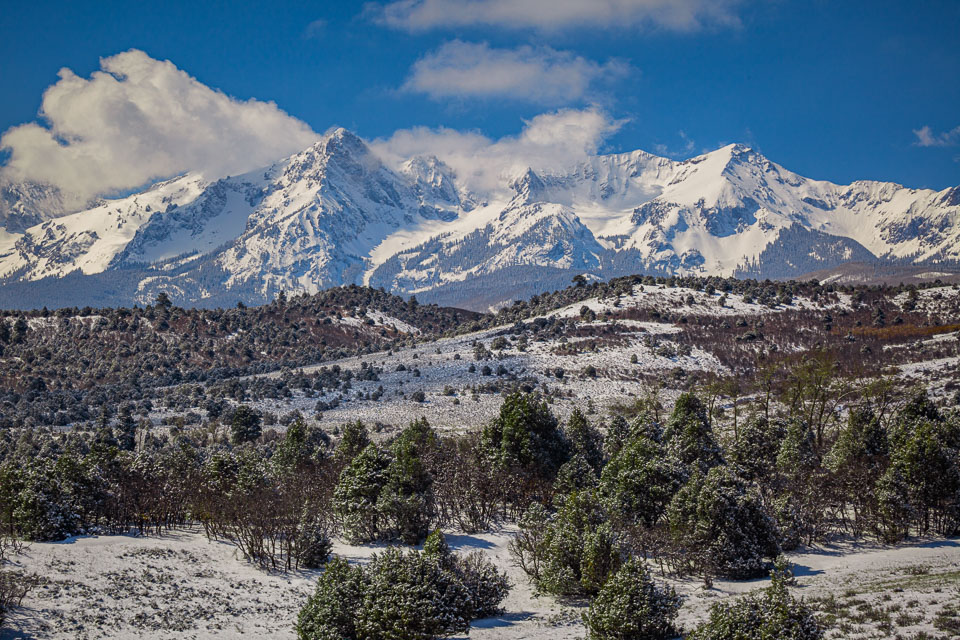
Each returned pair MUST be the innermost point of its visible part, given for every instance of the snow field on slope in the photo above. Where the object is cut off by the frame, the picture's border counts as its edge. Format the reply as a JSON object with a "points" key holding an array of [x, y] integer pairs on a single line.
{"points": [[617, 379]]}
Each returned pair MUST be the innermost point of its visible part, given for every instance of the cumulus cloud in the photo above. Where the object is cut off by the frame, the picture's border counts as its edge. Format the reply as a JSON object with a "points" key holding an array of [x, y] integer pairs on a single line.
{"points": [[542, 74], [678, 15], [140, 119], [927, 138], [548, 142]]}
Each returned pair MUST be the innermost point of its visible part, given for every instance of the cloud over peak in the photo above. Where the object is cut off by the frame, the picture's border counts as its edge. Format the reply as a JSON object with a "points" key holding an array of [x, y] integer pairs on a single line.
{"points": [[139, 119], [550, 141]]}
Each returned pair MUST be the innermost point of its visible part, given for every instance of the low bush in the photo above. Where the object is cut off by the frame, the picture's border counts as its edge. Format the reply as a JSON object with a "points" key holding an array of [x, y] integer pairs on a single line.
{"points": [[571, 553], [410, 595], [14, 586], [631, 606], [764, 614]]}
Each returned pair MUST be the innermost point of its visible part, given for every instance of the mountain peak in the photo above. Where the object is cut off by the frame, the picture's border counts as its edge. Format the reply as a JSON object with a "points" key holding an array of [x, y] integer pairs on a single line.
{"points": [[737, 148], [344, 140], [337, 148], [528, 185]]}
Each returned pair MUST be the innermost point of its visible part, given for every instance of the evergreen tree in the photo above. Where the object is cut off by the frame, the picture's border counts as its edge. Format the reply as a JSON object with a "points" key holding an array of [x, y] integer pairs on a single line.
{"points": [[486, 585], [772, 613], [355, 439], [618, 432], [126, 429], [244, 425], [313, 544], [526, 436], [301, 446], [407, 499], [576, 474], [638, 483], [802, 482], [925, 460], [411, 596], [857, 460], [723, 518], [689, 437], [331, 613], [40, 510], [576, 550], [631, 606], [585, 440], [754, 453], [356, 497]]}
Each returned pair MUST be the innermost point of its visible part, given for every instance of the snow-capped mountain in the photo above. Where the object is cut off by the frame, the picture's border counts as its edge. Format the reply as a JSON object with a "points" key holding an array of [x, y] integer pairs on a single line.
{"points": [[336, 214], [24, 204]]}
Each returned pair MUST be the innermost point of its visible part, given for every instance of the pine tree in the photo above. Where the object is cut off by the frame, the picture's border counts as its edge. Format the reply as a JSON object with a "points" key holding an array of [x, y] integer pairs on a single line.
{"points": [[638, 483], [301, 446], [526, 435], [244, 425], [354, 440], [356, 497], [724, 519], [585, 440], [767, 613], [574, 552], [802, 480], [618, 432], [407, 499], [126, 429], [331, 613], [689, 437], [631, 606], [857, 460], [925, 462], [576, 474], [754, 453], [410, 596], [313, 544]]}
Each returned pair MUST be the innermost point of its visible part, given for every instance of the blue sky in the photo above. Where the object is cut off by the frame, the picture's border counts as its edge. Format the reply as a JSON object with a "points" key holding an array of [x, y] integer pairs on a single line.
{"points": [[832, 90]]}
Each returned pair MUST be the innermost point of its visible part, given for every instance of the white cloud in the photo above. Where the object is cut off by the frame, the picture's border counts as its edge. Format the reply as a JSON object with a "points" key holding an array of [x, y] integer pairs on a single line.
{"points": [[315, 29], [927, 138], [542, 74], [140, 119], [678, 15], [550, 141]]}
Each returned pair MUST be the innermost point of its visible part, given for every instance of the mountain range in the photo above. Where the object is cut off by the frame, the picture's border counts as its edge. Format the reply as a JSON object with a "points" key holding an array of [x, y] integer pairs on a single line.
{"points": [[336, 214]]}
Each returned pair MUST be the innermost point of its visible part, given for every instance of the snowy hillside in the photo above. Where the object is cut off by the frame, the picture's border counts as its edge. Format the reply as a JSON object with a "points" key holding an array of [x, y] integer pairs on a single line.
{"points": [[337, 214]]}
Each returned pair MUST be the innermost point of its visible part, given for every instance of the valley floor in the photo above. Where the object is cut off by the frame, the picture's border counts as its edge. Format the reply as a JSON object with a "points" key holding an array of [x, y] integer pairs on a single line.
{"points": [[182, 585]]}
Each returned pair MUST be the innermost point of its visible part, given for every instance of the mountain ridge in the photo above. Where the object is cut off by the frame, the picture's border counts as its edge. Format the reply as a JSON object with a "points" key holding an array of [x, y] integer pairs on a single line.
{"points": [[336, 213]]}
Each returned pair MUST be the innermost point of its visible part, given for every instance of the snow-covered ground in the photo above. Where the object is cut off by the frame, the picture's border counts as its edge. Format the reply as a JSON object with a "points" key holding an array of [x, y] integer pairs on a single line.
{"points": [[177, 585], [617, 378], [691, 301], [455, 397], [182, 585]]}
